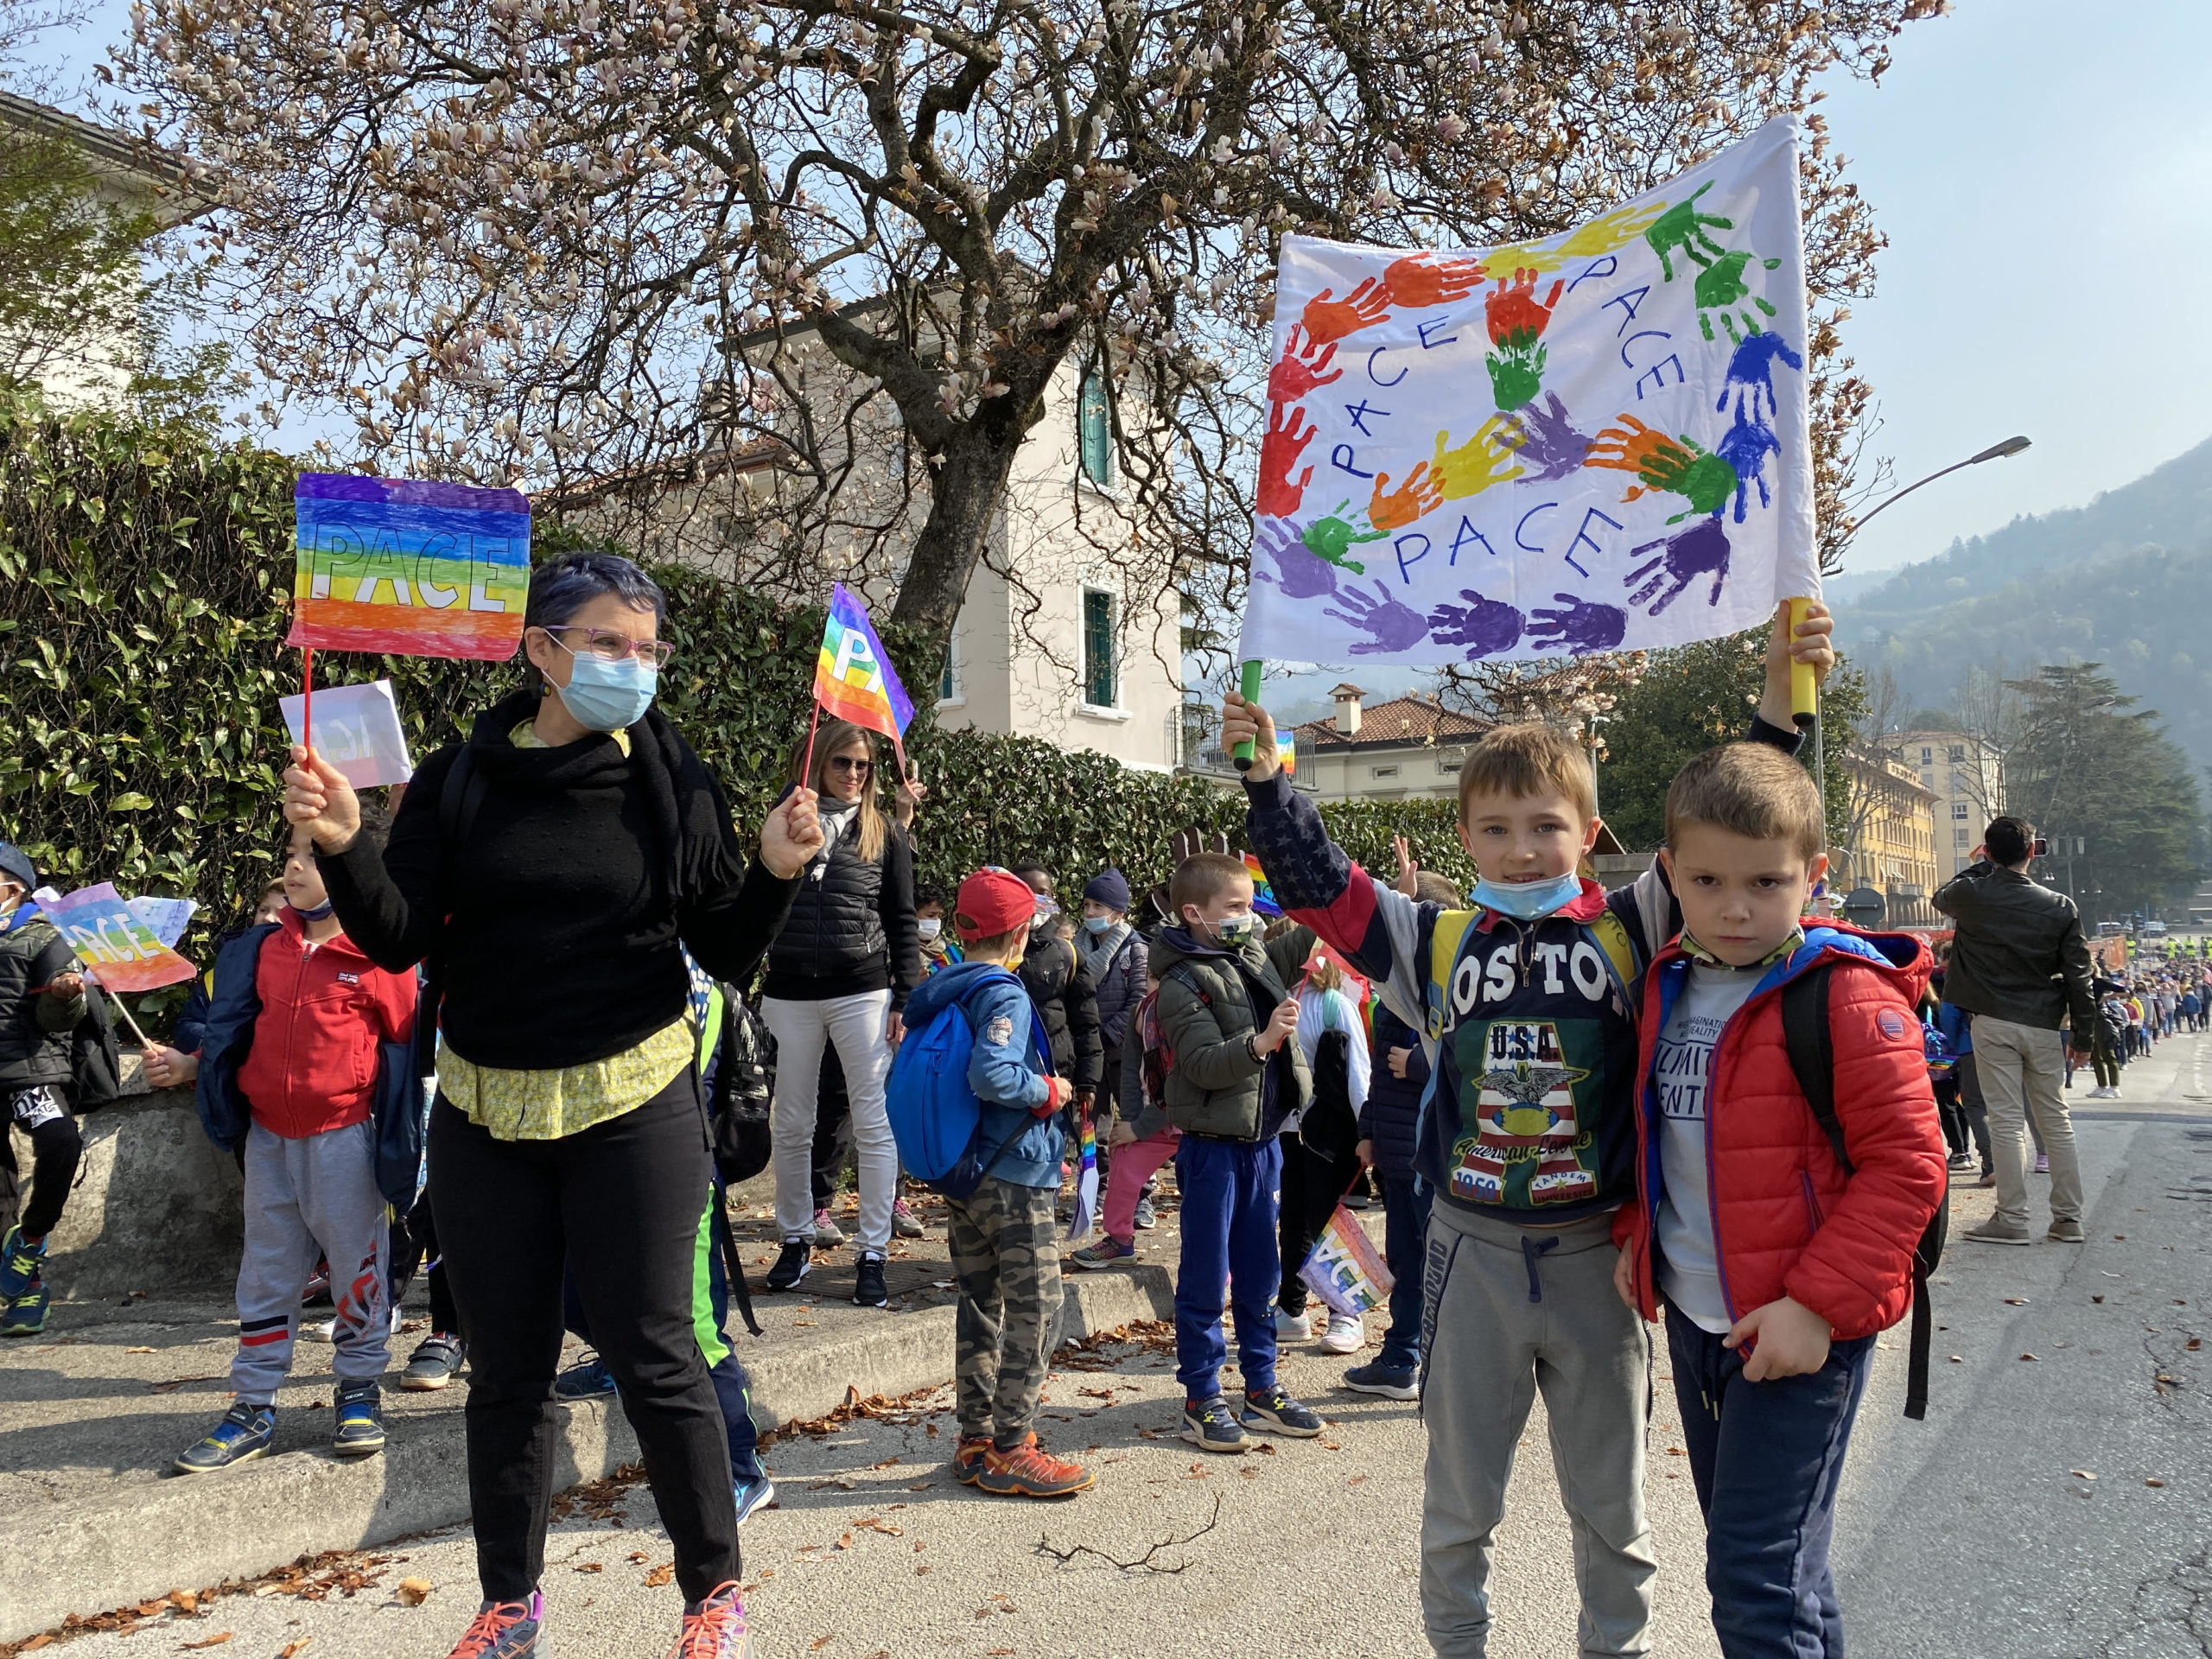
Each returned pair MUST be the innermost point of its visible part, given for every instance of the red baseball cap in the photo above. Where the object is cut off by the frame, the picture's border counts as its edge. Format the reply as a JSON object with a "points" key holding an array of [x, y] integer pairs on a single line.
{"points": [[992, 902]]}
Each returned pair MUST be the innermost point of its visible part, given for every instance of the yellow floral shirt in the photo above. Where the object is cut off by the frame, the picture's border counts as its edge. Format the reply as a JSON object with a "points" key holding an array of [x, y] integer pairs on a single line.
{"points": [[547, 1105]]}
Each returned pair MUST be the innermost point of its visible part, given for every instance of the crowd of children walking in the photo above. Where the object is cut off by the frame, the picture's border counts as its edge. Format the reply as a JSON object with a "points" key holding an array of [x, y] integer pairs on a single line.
{"points": [[1586, 1112]]}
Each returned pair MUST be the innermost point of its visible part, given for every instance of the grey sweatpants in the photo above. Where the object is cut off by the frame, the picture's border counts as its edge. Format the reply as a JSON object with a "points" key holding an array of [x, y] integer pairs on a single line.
{"points": [[319, 1191], [1507, 1310]]}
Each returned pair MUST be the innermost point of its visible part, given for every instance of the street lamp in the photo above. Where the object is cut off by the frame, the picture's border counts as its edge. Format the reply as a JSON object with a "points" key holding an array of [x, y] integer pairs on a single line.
{"points": [[1995, 452]]}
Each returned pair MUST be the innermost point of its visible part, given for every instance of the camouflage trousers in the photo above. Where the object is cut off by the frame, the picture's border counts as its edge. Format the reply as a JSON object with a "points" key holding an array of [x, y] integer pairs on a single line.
{"points": [[1006, 1256]]}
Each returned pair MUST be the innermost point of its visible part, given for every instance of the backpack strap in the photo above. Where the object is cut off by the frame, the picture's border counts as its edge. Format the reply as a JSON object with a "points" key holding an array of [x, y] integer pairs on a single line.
{"points": [[733, 1269], [1612, 936], [1811, 1046], [1446, 935]]}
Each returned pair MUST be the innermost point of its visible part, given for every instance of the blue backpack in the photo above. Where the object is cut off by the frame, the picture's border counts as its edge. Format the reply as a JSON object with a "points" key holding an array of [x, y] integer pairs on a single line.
{"points": [[935, 1115]]}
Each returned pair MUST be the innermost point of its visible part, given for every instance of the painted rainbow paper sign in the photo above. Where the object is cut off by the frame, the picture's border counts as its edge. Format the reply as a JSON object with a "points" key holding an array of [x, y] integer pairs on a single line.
{"points": [[122, 951], [1263, 895], [853, 679], [1345, 1270], [413, 568]]}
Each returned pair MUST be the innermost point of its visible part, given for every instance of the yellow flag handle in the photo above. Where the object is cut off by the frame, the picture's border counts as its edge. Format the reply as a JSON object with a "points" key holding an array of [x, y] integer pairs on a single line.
{"points": [[1804, 695], [1250, 689]]}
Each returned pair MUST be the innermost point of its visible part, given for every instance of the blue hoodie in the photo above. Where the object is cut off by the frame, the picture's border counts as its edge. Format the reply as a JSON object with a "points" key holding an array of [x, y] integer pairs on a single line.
{"points": [[1007, 1069]]}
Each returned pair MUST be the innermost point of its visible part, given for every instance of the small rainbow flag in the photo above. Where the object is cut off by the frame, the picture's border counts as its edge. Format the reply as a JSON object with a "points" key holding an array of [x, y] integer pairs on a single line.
{"points": [[853, 678], [1287, 752], [1264, 895]]}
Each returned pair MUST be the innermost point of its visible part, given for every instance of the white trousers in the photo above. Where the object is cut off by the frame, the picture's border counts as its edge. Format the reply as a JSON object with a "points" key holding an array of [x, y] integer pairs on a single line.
{"points": [[801, 1030]]}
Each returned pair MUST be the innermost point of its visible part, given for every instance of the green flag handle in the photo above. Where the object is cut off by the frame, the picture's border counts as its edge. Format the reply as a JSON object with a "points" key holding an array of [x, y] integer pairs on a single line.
{"points": [[1250, 689]]}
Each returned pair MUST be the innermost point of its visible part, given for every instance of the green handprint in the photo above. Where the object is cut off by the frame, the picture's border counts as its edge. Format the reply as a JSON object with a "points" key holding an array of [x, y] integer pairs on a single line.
{"points": [[1682, 227], [1331, 537], [1721, 284], [1670, 465]]}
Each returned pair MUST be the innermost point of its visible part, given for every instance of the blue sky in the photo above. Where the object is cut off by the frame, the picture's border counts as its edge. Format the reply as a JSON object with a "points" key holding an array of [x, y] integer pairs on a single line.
{"points": [[2041, 171]]}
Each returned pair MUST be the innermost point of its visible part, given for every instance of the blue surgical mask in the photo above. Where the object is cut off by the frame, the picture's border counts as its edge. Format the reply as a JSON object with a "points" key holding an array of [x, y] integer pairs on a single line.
{"points": [[609, 697], [1094, 925], [1528, 899]]}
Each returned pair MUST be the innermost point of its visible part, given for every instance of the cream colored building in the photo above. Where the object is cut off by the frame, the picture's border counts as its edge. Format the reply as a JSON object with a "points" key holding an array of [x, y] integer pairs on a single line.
{"points": [[1893, 846], [1407, 748], [1966, 773]]}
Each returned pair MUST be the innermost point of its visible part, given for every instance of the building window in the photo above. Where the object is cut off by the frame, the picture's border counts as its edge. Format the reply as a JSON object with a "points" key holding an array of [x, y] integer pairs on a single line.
{"points": [[1095, 430], [1958, 752], [1381, 772], [948, 683], [1927, 755], [1958, 809], [1100, 686], [1957, 837]]}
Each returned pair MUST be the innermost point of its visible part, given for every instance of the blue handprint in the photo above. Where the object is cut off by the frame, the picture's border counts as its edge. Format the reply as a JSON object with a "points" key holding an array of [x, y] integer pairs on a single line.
{"points": [[1701, 550], [1300, 572], [1485, 626], [1751, 374], [1393, 626], [1580, 625], [1746, 447]]}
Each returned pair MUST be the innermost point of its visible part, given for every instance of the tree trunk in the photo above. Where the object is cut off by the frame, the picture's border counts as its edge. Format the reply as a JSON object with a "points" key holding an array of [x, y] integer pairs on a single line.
{"points": [[966, 495]]}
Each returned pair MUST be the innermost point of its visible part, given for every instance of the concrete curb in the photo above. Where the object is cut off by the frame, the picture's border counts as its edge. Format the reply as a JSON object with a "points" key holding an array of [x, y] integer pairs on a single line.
{"points": [[187, 1534]]}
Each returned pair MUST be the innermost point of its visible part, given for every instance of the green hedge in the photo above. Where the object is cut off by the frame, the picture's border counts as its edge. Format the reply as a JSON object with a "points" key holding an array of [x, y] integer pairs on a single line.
{"points": [[143, 582]]}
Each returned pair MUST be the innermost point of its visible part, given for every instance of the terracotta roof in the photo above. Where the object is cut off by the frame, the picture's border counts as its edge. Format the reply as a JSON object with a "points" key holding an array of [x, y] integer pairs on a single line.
{"points": [[1400, 721]]}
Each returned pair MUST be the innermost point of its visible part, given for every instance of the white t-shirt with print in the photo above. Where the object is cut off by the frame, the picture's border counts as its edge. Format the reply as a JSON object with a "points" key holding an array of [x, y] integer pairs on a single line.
{"points": [[1690, 1263]]}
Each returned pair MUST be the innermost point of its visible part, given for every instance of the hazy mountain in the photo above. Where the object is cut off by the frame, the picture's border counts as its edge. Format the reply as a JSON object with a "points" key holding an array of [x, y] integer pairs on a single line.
{"points": [[2126, 580]]}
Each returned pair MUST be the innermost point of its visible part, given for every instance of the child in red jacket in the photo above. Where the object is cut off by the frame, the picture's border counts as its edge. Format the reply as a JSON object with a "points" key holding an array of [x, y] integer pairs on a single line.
{"points": [[310, 1075], [1777, 1266]]}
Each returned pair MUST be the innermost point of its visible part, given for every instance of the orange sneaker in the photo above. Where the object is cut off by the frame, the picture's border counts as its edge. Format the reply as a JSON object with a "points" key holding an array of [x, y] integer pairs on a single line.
{"points": [[1027, 1471], [968, 1460]]}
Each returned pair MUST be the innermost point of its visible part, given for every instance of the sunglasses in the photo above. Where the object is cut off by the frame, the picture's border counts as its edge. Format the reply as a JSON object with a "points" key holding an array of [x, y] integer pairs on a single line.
{"points": [[846, 763]]}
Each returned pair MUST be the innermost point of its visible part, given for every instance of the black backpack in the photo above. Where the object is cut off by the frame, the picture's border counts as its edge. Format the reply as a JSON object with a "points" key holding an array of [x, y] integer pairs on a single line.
{"points": [[1811, 1046], [744, 1090], [95, 1057]]}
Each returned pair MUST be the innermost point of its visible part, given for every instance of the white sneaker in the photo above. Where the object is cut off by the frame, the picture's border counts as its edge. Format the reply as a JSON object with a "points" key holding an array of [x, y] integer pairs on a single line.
{"points": [[1347, 1334], [317, 1330], [1291, 1327]]}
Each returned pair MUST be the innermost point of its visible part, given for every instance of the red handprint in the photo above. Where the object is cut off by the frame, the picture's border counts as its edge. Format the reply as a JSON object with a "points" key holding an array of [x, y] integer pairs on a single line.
{"points": [[1420, 495], [1421, 279], [1328, 320], [1278, 451], [1516, 318], [1300, 370]]}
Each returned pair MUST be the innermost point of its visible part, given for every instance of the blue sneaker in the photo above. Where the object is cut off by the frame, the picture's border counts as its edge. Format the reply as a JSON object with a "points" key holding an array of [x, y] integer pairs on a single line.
{"points": [[588, 1380], [1211, 1427], [360, 1418], [25, 1315], [504, 1629], [757, 1493], [1272, 1409], [244, 1433], [1391, 1382], [20, 1264]]}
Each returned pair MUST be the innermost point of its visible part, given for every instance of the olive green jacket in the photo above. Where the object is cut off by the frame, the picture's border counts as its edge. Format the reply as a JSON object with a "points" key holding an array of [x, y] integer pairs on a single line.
{"points": [[1210, 1002]]}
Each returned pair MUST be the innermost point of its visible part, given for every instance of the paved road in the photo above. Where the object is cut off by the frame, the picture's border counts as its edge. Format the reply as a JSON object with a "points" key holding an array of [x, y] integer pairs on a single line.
{"points": [[1968, 1534]]}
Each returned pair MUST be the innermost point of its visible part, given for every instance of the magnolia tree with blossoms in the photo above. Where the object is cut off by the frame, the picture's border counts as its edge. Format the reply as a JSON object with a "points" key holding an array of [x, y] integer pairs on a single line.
{"points": [[561, 241]]}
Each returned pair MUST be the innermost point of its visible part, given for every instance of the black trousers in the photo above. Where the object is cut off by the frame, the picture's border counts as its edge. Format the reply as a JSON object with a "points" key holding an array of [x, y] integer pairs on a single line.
{"points": [[619, 1203], [56, 1144], [1311, 1186]]}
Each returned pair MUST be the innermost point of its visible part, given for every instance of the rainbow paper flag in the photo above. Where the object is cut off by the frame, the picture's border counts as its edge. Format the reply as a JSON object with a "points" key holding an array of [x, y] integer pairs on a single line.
{"points": [[853, 679], [1264, 895], [1287, 752], [1086, 1186], [409, 568]]}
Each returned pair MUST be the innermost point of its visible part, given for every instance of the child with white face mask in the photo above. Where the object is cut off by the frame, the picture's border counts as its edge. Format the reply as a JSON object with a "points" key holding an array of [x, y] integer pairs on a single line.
{"points": [[939, 949]]}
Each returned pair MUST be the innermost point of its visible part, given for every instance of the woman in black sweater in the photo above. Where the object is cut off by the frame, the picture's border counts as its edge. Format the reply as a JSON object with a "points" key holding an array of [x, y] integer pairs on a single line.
{"points": [[554, 870], [840, 973]]}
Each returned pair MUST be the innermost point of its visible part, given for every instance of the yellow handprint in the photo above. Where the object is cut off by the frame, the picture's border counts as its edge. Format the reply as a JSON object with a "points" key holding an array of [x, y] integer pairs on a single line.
{"points": [[1605, 234], [1477, 463]]}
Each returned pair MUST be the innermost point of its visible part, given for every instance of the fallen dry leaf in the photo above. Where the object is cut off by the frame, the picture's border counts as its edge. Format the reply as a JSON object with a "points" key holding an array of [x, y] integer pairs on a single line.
{"points": [[414, 1591], [2083, 1473], [921, 1569], [822, 1641], [2153, 1480], [590, 1566], [137, 1351], [1357, 1480], [215, 1641], [637, 1555], [293, 1650], [660, 1575], [1958, 1359], [2193, 1343], [2027, 1356], [2096, 1298], [2016, 1301]]}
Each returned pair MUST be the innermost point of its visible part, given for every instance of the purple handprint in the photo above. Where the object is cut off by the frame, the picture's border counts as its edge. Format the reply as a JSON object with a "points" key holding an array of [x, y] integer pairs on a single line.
{"points": [[1393, 626], [1301, 575], [1485, 626], [1580, 625], [1746, 447], [1701, 549], [1751, 374], [1548, 441]]}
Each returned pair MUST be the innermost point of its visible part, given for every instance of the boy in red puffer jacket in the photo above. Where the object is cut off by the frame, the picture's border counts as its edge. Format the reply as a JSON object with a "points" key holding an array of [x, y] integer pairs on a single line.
{"points": [[1777, 1264]]}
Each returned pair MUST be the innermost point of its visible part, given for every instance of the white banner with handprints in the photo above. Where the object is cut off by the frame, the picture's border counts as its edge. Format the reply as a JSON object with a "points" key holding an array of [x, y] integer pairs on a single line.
{"points": [[1596, 441], [357, 730]]}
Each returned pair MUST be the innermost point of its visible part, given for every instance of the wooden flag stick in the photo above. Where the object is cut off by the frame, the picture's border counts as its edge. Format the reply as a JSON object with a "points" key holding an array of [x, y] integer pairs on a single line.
{"points": [[806, 767]]}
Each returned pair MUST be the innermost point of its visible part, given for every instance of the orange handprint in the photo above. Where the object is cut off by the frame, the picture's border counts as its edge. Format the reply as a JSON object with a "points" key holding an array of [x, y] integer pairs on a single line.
{"points": [[1278, 451], [1632, 447], [1421, 493], [1422, 279], [1516, 316], [1328, 320], [1300, 370]]}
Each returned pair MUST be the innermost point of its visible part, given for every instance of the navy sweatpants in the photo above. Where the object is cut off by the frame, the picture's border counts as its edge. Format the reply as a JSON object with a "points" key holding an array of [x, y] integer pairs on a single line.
{"points": [[1405, 1241], [1230, 1190], [1766, 1458]]}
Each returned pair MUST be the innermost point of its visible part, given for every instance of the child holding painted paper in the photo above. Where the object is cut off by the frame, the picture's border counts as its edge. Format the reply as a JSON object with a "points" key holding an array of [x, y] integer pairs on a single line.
{"points": [[304, 1034], [42, 1002], [1527, 1141]]}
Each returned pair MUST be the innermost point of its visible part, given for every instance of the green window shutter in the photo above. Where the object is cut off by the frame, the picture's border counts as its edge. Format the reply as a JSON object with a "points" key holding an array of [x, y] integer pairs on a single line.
{"points": [[1099, 689], [1095, 431]]}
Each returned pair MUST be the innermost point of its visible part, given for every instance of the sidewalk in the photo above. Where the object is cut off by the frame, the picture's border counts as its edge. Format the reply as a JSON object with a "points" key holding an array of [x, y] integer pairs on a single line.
{"points": [[96, 1409]]}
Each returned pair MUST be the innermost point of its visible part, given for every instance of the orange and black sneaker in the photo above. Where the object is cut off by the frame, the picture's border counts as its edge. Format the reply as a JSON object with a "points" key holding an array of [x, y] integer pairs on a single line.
{"points": [[1028, 1472], [968, 1460]]}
